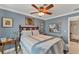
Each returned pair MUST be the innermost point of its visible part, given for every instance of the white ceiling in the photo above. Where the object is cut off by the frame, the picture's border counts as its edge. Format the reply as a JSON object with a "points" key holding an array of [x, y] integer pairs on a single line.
{"points": [[26, 9]]}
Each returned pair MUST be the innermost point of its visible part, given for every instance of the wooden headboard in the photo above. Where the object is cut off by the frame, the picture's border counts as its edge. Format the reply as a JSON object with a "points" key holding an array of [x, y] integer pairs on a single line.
{"points": [[26, 28]]}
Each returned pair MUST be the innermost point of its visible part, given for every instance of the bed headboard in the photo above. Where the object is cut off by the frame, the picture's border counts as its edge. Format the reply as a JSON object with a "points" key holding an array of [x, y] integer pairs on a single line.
{"points": [[27, 27]]}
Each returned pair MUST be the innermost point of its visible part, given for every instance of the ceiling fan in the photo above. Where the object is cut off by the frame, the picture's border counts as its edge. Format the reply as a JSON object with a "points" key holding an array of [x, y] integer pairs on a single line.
{"points": [[42, 10]]}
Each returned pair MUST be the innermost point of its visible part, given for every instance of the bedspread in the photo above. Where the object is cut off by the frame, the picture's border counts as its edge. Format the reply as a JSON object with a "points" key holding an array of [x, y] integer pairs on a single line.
{"points": [[56, 46], [32, 46]]}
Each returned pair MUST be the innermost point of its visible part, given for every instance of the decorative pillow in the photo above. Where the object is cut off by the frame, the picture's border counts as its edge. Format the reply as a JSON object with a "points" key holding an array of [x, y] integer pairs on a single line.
{"points": [[26, 33], [35, 32]]}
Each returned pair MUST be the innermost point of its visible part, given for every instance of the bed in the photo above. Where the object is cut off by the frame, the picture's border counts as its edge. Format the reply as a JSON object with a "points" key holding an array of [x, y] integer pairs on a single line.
{"points": [[32, 42]]}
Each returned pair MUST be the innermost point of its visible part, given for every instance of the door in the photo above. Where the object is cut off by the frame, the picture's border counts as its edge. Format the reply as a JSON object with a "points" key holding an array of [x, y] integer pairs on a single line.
{"points": [[74, 35]]}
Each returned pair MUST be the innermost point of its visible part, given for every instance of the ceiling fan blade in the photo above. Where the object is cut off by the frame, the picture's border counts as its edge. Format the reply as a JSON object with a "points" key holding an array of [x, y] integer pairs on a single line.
{"points": [[48, 13], [33, 12], [50, 6], [35, 6]]}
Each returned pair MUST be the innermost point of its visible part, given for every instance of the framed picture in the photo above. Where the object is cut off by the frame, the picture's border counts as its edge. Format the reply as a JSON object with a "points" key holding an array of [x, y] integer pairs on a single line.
{"points": [[7, 22], [29, 21], [54, 28]]}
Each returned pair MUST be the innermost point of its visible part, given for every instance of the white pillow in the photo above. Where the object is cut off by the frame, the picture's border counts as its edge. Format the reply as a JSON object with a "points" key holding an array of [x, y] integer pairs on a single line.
{"points": [[35, 32], [26, 33]]}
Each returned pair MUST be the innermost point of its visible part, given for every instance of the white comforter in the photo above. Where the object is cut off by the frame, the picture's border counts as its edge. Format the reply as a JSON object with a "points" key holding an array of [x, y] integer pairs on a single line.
{"points": [[41, 44], [41, 37]]}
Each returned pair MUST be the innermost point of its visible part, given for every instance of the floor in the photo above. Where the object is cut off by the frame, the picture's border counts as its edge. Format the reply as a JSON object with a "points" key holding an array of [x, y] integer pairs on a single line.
{"points": [[74, 47]]}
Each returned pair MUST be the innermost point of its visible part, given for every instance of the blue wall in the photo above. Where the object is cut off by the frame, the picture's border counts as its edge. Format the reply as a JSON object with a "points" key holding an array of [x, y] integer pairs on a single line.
{"points": [[18, 19], [64, 26]]}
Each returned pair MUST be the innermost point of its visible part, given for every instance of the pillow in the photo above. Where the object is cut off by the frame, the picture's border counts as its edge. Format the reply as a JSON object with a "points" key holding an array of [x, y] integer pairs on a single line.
{"points": [[26, 33], [35, 32]]}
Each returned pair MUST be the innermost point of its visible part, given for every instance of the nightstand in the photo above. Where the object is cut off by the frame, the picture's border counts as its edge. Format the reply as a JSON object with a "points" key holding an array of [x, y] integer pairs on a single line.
{"points": [[9, 42]]}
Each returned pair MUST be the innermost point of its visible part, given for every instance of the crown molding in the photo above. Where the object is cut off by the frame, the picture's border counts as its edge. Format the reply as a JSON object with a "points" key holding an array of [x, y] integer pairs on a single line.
{"points": [[12, 10], [73, 12]]}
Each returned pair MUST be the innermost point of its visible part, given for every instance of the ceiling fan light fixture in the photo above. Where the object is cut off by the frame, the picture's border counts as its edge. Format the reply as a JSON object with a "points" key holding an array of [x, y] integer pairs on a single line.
{"points": [[41, 14], [42, 10]]}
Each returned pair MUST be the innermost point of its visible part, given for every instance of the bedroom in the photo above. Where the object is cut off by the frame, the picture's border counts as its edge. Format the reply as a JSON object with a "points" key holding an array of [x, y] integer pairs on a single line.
{"points": [[21, 14]]}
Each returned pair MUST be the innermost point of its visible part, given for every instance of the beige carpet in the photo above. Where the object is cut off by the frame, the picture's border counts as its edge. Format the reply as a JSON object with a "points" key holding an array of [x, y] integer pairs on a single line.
{"points": [[74, 48]]}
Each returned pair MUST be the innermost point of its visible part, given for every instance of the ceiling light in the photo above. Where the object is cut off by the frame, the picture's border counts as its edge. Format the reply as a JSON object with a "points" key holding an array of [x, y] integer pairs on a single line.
{"points": [[41, 14]]}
